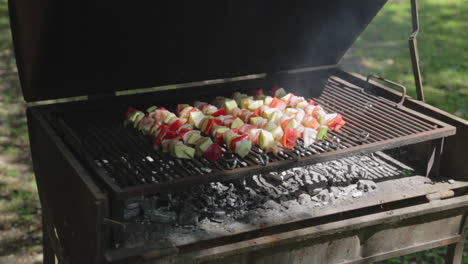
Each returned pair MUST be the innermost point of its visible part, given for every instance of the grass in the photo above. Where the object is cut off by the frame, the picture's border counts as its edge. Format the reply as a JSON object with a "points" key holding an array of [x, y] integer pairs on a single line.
{"points": [[443, 50], [381, 49]]}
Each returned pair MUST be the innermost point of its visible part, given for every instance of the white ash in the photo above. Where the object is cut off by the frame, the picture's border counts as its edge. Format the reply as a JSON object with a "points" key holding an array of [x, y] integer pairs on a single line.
{"points": [[265, 199]]}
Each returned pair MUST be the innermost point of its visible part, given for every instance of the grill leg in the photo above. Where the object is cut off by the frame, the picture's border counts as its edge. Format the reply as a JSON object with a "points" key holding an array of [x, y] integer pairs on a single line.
{"points": [[455, 251], [48, 252]]}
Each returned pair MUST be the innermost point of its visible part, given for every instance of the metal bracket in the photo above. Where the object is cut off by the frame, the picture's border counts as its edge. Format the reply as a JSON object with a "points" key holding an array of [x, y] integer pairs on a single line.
{"points": [[413, 46], [403, 88]]}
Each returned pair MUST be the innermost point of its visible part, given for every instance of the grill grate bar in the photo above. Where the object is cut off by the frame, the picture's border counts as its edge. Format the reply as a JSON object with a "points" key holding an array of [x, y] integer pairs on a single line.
{"points": [[383, 106], [135, 167], [373, 116]]}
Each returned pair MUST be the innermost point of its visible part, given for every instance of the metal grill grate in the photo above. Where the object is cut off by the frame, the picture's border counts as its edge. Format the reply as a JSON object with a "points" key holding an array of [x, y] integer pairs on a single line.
{"points": [[126, 161]]}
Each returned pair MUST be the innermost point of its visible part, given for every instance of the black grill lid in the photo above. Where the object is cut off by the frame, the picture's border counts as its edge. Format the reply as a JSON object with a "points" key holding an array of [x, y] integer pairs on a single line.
{"points": [[71, 48]]}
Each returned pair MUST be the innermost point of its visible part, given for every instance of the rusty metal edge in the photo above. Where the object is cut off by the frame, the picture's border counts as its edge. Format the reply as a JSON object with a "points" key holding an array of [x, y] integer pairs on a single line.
{"points": [[113, 256], [407, 250], [329, 229]]}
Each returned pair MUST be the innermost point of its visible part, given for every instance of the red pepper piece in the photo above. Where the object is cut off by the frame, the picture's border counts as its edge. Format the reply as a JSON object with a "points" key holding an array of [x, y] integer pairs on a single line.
{"points": [[336, 123], [213, 153], [278, 103], [237, 139], [162, 108], [220, 112], [289, 138]]}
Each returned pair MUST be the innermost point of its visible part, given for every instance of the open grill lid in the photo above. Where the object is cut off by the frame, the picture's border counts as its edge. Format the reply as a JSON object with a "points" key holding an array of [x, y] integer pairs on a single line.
{"points": [[72, 48]]}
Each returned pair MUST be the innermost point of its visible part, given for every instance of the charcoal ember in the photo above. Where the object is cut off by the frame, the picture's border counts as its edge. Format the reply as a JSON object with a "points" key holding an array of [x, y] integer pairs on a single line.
{"points": [[322, 196], [312, 190], [335, 191], [289, 203], [131, 213], [366, 185], [273, 176], [356, 194], [270, 204], [303, 199], [188, 216]]}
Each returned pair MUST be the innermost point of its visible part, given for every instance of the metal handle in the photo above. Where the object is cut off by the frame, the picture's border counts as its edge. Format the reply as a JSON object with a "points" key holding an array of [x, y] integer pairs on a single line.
{"points": [[403, 88], [413, 47]]}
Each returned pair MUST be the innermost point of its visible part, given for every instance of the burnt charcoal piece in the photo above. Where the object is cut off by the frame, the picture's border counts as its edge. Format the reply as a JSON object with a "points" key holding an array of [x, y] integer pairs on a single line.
{"points": [[188, 216], [366, 185]]}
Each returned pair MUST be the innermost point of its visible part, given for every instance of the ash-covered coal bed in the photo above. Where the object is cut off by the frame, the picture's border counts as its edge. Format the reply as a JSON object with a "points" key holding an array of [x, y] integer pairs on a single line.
{"points": [[261, 200]]}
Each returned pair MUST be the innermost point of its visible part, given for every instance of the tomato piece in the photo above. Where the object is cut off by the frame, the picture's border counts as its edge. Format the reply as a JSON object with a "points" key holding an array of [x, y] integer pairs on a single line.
{"points": [[180, 107], [176, 125], [162, 131], [202, 107], [245, 128], [235, 130], [275, 88], [213, 153], [219, 138], [211, 124], [255, 139], [257, 112], [278, 103], [289, 138], [311, 102], [162, 108], [182, 132], [220, 112], [258, 92], [130, 110], [285, 123], [237, 139], [169, 135]]}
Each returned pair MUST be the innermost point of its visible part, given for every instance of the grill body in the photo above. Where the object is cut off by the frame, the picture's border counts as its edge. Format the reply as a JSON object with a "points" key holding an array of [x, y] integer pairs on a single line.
{"points": [[79, 205]]}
